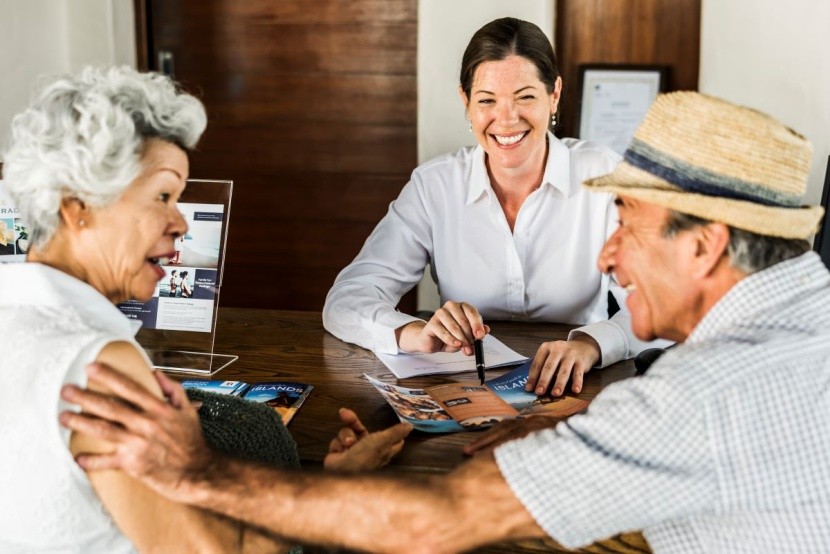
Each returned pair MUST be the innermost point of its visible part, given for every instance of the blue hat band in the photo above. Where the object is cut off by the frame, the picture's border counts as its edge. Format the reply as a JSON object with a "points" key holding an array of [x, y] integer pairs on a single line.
{"points": [[695, 179]]}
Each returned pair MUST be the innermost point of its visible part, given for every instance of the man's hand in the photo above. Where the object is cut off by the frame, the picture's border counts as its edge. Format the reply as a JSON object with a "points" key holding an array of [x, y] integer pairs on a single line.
{"points": [[453, 327], [158, 442], [356, 449], [508, 430], [561, 359]]}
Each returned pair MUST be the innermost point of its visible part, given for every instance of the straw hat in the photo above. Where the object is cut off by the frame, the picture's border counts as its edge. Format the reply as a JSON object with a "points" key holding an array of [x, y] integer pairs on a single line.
{"points": [[706, 157]]}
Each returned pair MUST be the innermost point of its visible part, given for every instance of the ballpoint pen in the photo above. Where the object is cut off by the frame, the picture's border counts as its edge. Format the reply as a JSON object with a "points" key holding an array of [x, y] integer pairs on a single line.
{"points": [[478, 347]]}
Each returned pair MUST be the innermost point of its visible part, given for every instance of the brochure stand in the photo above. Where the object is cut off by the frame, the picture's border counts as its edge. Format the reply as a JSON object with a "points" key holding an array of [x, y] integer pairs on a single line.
{"points": [[179, 323]]}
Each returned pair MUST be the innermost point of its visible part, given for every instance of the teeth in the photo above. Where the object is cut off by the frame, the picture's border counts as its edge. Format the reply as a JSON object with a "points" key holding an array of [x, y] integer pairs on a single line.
{"points": [[506, 141]]}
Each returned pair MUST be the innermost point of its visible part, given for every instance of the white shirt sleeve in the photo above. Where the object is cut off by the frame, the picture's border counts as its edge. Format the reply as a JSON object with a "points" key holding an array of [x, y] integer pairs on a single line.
{"points": [[360, 307]]}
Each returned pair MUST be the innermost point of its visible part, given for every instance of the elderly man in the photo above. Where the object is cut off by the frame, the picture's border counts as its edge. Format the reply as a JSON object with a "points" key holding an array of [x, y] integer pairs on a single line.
{"points": [[722, 446]]}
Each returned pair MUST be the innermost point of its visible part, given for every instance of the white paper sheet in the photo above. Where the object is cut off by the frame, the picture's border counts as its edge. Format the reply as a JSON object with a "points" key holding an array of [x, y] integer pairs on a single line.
{"points": [[496, 354]]}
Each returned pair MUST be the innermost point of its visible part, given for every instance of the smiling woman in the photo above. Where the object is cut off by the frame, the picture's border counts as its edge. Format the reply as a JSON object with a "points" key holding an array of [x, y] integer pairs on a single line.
{"points": [[506, 227], [95, 166]]}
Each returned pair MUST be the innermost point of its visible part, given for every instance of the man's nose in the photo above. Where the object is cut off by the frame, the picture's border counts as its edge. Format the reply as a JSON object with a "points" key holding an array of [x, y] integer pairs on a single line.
{"points": [[607, 257]]}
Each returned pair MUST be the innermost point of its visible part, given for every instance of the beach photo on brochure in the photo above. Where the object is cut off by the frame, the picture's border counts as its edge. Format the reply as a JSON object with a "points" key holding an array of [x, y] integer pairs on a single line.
{"points": [[283, 396], [468, 406]]}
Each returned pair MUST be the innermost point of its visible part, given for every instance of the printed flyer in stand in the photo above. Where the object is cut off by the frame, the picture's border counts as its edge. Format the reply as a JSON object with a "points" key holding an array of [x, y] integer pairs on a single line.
{"points": [[185, 298], [14, 234]]}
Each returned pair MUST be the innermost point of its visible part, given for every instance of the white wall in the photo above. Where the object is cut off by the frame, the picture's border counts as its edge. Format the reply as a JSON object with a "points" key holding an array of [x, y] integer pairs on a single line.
{"points": [[773, 56], [444, 29], [48, 37]]}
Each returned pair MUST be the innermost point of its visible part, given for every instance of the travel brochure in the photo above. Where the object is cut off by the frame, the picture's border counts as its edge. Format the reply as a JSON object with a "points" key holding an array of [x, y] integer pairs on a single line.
{"points": [[468, 406], [14, 235], [283, 396], [184, 298]]}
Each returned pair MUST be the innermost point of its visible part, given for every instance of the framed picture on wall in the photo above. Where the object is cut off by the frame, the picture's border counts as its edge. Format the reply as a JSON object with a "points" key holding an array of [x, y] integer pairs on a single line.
{"points": [[613, 100]]}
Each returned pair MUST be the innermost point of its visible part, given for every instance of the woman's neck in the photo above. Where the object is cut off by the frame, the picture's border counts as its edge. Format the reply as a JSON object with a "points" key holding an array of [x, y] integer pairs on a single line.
{"points": [[513, 185], [57, 254]]}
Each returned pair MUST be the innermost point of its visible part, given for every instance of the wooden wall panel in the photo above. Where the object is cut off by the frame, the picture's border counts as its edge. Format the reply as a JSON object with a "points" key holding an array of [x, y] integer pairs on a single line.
{"points": [[665, 32], [312, 113]]}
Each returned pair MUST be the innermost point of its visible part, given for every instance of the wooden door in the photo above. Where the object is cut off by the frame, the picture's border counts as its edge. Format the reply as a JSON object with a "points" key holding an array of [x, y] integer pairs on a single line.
{"points": [[312, 114], [664, 32]]}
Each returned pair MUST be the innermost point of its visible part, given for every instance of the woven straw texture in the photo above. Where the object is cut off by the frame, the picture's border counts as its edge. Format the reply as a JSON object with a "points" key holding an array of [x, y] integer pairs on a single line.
{"points": [[745, 151]]}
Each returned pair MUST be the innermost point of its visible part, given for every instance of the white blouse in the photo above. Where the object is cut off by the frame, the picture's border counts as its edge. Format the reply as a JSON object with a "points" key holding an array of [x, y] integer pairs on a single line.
{"points": [[51, 326], [448, 216]]}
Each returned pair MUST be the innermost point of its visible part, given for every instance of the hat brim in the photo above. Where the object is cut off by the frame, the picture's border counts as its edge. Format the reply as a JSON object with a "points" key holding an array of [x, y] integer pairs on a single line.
{"points": [[790, 223]]}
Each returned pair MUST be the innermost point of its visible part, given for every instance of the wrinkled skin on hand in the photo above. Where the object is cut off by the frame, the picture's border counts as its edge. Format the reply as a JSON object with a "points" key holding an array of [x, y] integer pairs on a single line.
{"points": [[355, 449]]}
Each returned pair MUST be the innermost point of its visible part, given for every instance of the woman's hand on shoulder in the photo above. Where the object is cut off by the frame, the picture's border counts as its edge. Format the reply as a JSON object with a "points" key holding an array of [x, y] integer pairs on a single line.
{"points": [[453, 327], [557, 361]]}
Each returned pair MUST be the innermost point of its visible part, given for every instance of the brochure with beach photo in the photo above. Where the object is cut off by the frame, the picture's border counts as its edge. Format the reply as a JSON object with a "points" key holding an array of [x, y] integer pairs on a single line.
{"points": [[283, 396], [468, 406]]}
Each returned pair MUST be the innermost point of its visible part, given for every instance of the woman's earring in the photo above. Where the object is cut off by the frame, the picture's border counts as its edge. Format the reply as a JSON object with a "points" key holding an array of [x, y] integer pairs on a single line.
{"points": [[81, 222], [553, 120], [471, 126]]}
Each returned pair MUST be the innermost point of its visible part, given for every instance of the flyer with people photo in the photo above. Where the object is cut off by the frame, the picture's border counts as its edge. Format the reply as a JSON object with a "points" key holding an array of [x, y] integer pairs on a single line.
{"points": [[184, 298], [468, 406]]}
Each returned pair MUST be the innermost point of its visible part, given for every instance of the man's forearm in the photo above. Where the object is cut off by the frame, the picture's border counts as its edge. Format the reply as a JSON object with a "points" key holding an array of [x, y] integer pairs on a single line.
{"points": [[469, 507]]}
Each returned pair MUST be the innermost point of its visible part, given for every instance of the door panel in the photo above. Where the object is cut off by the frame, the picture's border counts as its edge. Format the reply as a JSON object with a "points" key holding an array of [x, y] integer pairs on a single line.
{"points": [[312, 113]]}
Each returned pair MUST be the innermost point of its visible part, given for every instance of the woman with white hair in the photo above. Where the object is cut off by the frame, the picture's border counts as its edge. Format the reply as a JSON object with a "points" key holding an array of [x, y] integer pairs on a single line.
{"points": [[96, 166]]}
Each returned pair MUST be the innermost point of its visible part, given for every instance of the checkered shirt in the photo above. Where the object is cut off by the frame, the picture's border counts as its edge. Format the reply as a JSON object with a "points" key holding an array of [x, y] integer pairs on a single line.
{"points": [[723, 446]]}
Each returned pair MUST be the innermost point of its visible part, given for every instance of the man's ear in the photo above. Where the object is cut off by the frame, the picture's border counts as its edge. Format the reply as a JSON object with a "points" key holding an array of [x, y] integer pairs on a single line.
{"points": [[75, 214], [711, 243]]}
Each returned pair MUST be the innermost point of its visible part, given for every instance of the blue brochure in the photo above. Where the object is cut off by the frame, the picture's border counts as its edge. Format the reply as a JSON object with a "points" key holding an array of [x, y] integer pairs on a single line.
{"points": [[467, 405]]}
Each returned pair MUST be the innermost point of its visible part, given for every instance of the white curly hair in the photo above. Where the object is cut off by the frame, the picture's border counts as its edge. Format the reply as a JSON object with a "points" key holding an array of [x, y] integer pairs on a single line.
{"points": [[83, 137]]}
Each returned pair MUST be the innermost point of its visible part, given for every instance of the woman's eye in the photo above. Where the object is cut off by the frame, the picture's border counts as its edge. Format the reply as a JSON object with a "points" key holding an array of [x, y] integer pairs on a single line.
{"points": [[485, 101], [528, 97], [164, 197]]}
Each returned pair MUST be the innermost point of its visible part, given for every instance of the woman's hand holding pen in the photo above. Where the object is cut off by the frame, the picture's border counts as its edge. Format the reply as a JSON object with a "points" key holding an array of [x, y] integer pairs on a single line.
{"points": [[453, 327], [556, 361]]}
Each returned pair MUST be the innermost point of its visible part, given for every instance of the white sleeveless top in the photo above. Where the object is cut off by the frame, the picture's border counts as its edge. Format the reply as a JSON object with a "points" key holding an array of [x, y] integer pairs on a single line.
{"points": [[51, 326]]}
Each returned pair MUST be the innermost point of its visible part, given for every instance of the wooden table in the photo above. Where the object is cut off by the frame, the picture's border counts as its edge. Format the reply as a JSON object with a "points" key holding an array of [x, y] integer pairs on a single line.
{"points": [[288, 345]]}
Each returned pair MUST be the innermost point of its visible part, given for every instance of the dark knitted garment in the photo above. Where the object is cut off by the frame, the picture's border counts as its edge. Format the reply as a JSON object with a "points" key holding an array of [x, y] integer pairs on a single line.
{"points": [[245, 429]]}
